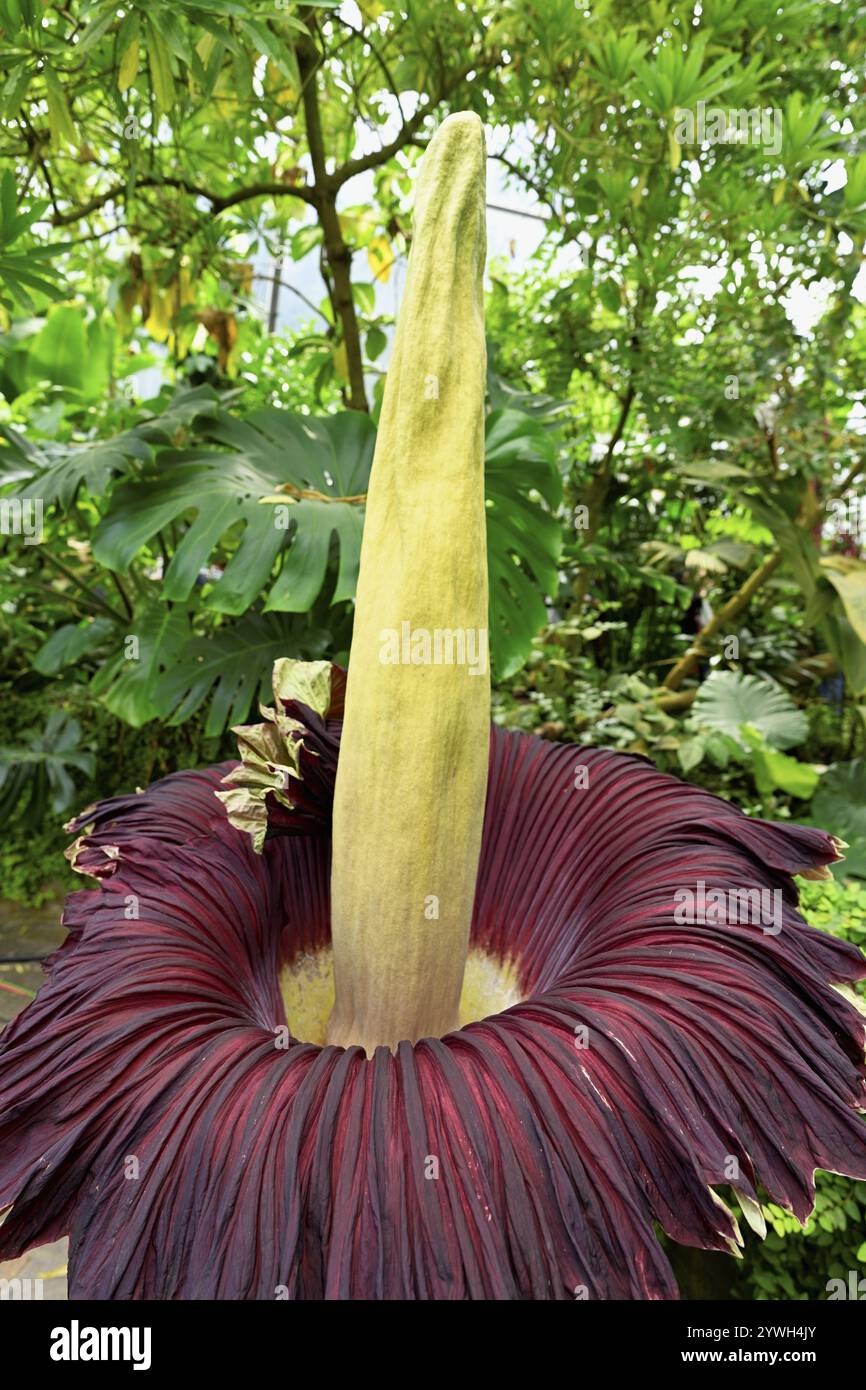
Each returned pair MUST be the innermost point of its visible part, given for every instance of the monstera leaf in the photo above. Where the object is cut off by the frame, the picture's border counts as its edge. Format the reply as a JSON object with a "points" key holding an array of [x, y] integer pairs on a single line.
{"points": [[542, 409], [57, 471], [728, 700], [313, 465], [61, 470], [524, 537], [277, 490], [231, 667], [337, 455], [270, 511]]}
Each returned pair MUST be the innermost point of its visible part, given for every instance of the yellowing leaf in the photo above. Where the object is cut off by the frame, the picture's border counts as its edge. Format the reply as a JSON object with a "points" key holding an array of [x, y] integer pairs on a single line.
{"points": [[222, 327], [158, 321], [242, 275], [205, 47], [184, 288], [674, 150], [380, 258], [278, 87], [779, 192], [226, 94], [128, 70]]}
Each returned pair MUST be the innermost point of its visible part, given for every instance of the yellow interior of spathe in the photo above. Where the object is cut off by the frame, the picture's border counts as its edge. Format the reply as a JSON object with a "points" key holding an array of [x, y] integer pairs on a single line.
{"points": [[307, 987]]}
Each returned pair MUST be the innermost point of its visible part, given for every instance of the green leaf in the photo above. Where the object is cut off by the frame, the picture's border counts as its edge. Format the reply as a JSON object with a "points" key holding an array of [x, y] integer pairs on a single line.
{"points": [[16, 90], [8, 206], [174, 36], [848, 649], [62, 469], [60, 121], [690, 752], [160, 68], [727, 700], [524, 538], [69, 643], [224, 485], [721, 748], [710, 471], [796, 778], [230, 666], [153, 643], [273, 490], [541, 408], [774, 770], [19, 282], [848, 577], [608, 293], [266, 42], [129, 48], [95, 30], [304, 240], [72, 353], [35, 777], [59, 351], [376, 343]]}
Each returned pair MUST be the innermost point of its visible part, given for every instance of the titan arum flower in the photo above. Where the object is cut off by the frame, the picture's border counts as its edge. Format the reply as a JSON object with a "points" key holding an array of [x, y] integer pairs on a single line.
{"points": [[400, 1007]]}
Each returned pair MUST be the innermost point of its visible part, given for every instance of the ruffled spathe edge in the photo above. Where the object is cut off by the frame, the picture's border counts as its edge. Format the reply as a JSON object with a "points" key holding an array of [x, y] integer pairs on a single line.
{"points": [[645, 1058]]}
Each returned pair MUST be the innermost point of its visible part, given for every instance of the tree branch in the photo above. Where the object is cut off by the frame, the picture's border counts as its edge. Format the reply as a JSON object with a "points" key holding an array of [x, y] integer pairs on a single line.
{"points": [[407, 133], [352, 167], [284, 285], [218, 202], [538, 189], [383, 66], [726, 614]]}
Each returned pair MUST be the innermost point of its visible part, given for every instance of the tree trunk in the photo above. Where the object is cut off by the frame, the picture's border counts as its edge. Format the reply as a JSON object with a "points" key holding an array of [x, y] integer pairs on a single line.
{"points": [[337, 253]]}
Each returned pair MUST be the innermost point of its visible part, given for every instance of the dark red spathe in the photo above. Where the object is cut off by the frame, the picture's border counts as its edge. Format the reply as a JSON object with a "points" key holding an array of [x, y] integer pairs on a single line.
{"points": [[263, 1169]]}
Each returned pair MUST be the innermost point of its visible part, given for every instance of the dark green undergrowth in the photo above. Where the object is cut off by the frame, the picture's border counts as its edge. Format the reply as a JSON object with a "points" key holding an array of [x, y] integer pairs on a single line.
{"points": [[32, 864]]}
